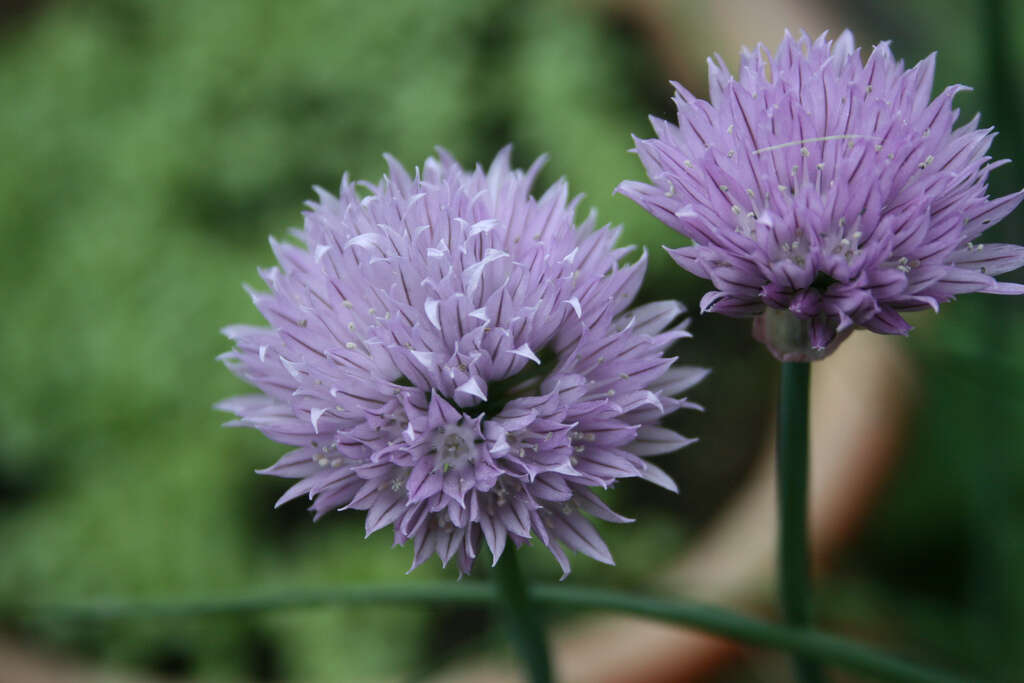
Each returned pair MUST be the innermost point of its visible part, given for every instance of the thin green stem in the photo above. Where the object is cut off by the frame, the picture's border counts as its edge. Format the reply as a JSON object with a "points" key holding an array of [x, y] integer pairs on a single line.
{"points": [[791, 463], [521, 618], [840, 652], [990, 482]]}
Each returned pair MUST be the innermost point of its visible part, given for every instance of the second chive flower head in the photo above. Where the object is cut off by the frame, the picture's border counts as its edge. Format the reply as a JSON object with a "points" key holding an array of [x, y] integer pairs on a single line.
{"points": [[824, 193]]}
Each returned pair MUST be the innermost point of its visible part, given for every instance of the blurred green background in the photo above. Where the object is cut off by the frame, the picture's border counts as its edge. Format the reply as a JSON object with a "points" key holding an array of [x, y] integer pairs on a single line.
{"points": [[148, 148]]}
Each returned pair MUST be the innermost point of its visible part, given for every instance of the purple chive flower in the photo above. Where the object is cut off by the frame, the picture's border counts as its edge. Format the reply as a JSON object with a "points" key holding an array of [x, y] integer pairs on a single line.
{"points": [[823, 193], [456, 358]]}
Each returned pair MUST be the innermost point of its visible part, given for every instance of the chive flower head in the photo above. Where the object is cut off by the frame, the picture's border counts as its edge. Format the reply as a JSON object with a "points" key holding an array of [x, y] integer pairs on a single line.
{"points": [[824, 192], [458, 359]]}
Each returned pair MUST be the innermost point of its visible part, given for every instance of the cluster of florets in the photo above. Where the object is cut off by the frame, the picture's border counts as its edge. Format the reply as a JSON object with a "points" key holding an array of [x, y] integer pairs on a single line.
{"points": [[826, 193], [457, 358]]}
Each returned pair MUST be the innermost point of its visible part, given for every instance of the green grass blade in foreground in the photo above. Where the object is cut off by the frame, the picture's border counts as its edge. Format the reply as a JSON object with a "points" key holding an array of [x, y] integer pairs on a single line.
{"points": [[838, 651], [709, 619]]}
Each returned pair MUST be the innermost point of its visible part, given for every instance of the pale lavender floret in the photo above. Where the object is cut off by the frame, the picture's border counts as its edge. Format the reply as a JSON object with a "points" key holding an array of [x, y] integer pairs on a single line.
{"points": [[831, 189], [456, 358]]}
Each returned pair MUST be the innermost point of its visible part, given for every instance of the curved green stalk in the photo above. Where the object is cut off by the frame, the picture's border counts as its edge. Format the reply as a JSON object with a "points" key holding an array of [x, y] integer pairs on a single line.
{"points": [[840, 652]]}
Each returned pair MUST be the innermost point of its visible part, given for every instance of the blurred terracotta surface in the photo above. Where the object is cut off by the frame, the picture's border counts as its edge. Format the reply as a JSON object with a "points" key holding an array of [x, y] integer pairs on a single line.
{"points": [[21, 664], [683, 34], [860, 399]]}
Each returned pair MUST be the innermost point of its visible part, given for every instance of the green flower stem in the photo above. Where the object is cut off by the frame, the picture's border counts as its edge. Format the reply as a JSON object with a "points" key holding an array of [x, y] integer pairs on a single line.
{"points": [[840, 652], [519, 613], [791, 463]]}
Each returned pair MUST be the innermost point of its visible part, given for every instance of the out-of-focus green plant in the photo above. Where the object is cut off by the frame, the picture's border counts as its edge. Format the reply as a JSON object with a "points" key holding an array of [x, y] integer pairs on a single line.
{"points": [[149, 148]]}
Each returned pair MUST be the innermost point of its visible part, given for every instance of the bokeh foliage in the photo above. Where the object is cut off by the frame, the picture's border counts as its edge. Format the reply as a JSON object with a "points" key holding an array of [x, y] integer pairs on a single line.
{"points": [[149, 148]]}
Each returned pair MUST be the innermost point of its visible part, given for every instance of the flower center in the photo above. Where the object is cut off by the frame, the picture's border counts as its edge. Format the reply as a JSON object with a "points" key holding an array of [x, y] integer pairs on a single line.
{"points": [[523, 383], [455, 445], [822, 281]]}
